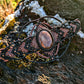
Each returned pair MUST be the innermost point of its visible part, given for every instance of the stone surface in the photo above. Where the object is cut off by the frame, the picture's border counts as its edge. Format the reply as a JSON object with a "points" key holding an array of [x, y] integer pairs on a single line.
{"points": [[69, 9], [70, 70]]}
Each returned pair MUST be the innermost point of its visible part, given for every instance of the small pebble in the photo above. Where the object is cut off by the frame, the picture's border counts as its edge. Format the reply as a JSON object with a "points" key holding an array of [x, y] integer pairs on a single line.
{"points": [[72, 54], [81, 52]]}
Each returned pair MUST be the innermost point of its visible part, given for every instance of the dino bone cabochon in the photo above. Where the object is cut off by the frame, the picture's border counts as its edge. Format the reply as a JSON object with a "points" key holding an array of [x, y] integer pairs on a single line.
{"points": [[45, 39]]}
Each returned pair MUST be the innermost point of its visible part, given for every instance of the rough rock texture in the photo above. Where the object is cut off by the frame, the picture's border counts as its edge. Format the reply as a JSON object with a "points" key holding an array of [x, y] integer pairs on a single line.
{"points": [[70, 69], [69, 9]]}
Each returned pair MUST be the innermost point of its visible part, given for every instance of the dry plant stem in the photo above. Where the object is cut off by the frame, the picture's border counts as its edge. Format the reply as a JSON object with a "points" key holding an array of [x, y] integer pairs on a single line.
{"points": [[5, 4], [2, 16], [10, 5]]}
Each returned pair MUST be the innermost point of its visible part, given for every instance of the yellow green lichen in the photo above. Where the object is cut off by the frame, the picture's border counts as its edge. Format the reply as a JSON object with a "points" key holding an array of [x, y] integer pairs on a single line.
{"points": [[11, 80], [23, 35], [7, 27], [4, 46], [20, 63], [0, 38], [11, 24], [4, 32], [1, 24], [12, 64], [1, 43]]}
